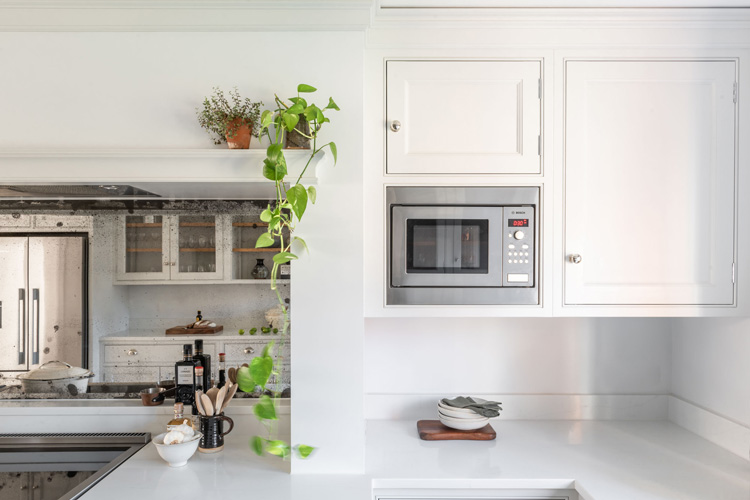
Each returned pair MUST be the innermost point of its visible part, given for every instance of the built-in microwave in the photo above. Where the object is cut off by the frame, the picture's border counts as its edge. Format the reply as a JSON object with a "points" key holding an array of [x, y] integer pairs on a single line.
{"points": [[462, 245]]}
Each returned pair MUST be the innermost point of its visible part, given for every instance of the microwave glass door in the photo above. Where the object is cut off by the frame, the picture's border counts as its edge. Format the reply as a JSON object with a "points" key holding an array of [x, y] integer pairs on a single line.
{"points": [[446, 246]]}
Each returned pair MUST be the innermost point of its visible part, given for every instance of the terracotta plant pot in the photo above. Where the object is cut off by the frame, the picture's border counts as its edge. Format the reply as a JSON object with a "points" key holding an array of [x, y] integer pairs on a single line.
{"points": [[242, 134]]}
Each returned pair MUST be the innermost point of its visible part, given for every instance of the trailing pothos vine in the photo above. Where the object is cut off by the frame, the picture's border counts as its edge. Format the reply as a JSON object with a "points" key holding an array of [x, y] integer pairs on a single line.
{"points": [[292, 199]]}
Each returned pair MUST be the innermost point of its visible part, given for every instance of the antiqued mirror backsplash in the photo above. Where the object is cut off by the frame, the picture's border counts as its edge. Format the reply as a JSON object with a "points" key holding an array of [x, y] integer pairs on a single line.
{"points": [[119, 308]]}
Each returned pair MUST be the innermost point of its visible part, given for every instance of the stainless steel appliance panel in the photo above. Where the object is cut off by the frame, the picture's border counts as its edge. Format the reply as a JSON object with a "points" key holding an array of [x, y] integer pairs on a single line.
{"points": [[56, 305], [13, 304], [448, 246]]}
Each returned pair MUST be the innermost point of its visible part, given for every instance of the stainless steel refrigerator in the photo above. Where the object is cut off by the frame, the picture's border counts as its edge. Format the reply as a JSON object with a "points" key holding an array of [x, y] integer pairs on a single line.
{"points": [[43, 301]]}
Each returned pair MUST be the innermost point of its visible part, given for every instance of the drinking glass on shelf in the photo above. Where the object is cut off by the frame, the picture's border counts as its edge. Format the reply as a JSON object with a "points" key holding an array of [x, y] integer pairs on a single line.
{"points": [[192, 241], [202, 241], [211, 242], [141, 235], [183, 268], [155, 236], [201, 270], [212, 268], [189, 268]]}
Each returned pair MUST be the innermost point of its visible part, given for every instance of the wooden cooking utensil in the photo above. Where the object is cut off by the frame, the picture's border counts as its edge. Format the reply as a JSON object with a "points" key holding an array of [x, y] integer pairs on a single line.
{"points": [[220, 399], [208, 406], [198, 403], [232, 374], [212, 393], [230, 394]]}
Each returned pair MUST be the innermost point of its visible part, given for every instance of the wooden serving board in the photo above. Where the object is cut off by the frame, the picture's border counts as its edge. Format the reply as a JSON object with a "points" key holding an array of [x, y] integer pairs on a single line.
{"points": [[434, 430], [181, 330]]}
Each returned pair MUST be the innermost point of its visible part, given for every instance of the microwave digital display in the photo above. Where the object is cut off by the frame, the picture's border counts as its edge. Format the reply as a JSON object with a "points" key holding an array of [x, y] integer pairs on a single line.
{"points": [[518, 222]]}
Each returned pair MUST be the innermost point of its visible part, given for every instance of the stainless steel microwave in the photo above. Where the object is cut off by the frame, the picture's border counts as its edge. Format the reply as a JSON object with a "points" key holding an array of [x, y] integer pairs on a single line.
{"points": [[462, 245]]}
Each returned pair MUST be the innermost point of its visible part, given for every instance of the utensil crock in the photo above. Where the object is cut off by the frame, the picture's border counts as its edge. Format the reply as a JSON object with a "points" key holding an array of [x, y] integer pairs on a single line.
{"points": [[212, 430]]}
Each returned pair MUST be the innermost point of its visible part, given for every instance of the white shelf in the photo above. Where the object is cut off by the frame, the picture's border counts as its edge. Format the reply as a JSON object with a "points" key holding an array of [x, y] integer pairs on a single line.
{"points": [[170, 173]]}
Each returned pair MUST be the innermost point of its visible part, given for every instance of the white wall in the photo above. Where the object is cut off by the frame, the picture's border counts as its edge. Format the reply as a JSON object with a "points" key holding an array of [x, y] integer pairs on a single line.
{"points": [[711, 365], [140, 90]]}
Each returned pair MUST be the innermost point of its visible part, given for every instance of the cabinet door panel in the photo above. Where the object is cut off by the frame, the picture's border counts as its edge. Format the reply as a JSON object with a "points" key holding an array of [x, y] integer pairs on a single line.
{"points": [[649, 182], [463, 116], [142, 248]]}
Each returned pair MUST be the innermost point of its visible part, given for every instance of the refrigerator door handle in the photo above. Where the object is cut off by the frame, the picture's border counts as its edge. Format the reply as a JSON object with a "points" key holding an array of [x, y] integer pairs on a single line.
{"points": [[21, 326], [35, 325]]}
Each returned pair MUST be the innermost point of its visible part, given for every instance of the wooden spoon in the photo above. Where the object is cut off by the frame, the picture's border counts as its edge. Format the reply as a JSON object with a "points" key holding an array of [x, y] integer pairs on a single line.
{"points": [[198, 403], [230, 394], [208, 406], [232, 374], [220, 399], [212, 393]]}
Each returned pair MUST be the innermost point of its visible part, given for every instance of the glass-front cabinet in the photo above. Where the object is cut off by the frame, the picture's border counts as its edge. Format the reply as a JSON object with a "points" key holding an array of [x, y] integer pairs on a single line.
{"points": [[194, 247], [168, 247]]}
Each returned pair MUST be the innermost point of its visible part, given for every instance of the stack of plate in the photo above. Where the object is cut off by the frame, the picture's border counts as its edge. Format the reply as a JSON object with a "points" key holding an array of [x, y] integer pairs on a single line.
{"points": [[462, 419]]}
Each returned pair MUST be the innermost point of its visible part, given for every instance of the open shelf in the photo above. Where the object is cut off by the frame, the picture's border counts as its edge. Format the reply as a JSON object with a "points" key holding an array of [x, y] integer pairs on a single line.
{"points": [[143, 224], [197, 224], [143, 250], [257, 250], [249, 224], [198, 250]]}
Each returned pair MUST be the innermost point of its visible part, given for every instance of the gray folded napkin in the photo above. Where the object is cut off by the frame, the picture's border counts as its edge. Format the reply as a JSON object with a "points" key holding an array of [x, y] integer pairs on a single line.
{"points": [[487, 409]]}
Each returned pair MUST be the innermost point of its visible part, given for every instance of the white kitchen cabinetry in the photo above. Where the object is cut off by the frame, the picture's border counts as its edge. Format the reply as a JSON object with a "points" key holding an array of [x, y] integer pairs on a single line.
{"points": [[463, 117], [169, 248], [649, 182], [44, 223], [148, 359]]}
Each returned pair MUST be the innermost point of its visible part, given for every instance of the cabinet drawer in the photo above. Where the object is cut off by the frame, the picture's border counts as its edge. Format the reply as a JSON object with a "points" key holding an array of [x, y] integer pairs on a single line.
{"points": [[243, 352], [59, 222], [132, 374], [15, 221], [150, 354]]}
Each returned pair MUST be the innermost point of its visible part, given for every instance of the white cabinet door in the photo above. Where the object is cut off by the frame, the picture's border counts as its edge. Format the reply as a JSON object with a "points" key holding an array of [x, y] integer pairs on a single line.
{"points": [[142, 248], [649, 182], [463, 117]]}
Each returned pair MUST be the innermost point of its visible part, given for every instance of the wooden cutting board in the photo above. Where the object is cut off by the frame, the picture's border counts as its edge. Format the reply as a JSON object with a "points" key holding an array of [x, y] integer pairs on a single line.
{"points": [[182, 330], [434, 430]]}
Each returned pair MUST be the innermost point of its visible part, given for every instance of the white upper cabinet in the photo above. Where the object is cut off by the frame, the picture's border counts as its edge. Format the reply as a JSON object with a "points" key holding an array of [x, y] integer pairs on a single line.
{"points": [[463, 117], [649, 182]]}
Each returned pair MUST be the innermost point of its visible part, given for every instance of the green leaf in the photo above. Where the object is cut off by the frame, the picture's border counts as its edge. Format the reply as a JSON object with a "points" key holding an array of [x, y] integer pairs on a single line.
{"points": [[278, 448], [296, 109], [299, 100], [305, 88], [304, 243], [264, 240], [312, 194], [303, 451], [311, 112], [245, 380], [264, 408], [268, 350], [297, 196], [265, 215], [260, 370], [256, 443], [274, 166], [290, 121], [334, 151], [332, 104], [266, 119], [283, 257], [319, 115]]}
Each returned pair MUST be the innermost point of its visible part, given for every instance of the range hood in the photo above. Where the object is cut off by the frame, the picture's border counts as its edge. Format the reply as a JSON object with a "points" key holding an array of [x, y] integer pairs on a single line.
{"points": [[124, 175]]}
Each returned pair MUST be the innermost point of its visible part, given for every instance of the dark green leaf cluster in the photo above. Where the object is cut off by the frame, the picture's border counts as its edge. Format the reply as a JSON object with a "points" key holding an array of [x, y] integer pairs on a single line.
{"points": [[223, 118]]}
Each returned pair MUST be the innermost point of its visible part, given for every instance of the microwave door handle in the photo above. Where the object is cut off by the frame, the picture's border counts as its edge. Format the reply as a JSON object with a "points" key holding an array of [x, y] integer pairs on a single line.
{"points": [[34, 330], [21, 326]]}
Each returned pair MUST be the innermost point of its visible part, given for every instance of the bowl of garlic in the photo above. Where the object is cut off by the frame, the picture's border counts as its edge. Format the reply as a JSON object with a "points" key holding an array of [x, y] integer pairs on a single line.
{"points": [[178, 445]]}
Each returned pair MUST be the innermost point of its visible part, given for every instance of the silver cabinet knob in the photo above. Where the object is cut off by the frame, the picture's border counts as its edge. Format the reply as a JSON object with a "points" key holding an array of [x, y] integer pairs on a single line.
{"points": [[249, 350], [132, 352], [395, 126], [575, 258]]}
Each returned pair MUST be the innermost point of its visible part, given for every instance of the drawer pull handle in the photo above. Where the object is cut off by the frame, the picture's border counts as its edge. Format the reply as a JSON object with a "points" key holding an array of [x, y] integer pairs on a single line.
{"points": [[395, 126], [575, 258], [132, 352], [249, 350]]}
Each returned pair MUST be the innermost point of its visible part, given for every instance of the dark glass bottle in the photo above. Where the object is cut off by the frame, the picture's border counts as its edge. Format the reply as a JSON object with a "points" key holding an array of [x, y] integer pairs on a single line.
{"points": [[222, 371], [205, 362], [184, 378], [198, 317]]}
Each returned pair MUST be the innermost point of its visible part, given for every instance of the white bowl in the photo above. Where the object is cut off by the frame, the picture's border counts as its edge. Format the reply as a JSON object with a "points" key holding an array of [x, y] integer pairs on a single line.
{"points": [[461, 410], [176, 455], [459, 413], [463, 424]]}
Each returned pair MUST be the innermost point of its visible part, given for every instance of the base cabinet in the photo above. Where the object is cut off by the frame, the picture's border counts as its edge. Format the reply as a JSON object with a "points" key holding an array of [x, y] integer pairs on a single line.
{"points": [[650, 182]]}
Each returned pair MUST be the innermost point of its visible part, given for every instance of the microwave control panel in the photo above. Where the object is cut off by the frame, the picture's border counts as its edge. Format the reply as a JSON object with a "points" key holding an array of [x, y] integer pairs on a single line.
{"points": [[518, 246]]}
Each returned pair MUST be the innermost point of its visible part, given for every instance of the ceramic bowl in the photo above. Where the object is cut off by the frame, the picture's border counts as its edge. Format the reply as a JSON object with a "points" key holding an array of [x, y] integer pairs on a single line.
{"points": [[459, 413], [463, 424], [176, 455], [442, 405]]}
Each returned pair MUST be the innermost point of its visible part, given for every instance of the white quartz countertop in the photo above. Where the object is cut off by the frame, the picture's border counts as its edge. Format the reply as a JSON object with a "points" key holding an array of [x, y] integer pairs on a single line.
{"points": [[612, 460]]}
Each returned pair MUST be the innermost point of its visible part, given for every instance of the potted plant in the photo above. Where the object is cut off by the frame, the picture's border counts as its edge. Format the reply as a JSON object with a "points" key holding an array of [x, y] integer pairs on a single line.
{"points": [[282, 217], [231, 122]]}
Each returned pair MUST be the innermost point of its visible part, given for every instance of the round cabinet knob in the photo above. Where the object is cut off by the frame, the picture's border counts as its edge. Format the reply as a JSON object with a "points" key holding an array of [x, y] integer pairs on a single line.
{"points": [[132, 352], [518, 235], [575, 258], [395, 126], [249, 350]]}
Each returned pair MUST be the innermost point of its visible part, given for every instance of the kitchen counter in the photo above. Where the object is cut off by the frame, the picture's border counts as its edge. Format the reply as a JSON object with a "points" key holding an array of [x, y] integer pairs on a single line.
{"points": [[156, 334], [618, 460]]}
